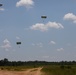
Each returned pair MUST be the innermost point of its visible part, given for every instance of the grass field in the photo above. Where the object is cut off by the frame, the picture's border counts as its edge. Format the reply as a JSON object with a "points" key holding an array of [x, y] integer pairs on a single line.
{"points": [[59, 70], [46, 69]]}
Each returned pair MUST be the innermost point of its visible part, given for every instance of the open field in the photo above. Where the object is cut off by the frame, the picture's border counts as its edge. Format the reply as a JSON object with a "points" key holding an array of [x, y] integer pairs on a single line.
{"points": [[45, 70], [37, 68], [33, 71], [59, 70]]}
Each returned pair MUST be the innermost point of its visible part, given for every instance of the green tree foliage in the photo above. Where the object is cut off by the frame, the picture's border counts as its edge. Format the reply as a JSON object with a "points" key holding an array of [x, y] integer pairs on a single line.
{"points": [[6, 62]]}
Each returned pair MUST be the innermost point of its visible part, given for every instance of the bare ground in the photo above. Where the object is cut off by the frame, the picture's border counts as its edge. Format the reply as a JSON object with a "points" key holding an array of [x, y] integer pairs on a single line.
{"points": [[34, 71]]}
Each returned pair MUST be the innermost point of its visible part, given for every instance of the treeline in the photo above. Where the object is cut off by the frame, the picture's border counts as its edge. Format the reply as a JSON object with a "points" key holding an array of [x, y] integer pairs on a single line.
{"points": [[6, 62]]}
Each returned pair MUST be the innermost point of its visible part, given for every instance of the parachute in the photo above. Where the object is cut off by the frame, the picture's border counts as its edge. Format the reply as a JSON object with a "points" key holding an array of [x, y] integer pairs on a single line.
{"points": [[43, 17], [18, 43], [1, 4]]}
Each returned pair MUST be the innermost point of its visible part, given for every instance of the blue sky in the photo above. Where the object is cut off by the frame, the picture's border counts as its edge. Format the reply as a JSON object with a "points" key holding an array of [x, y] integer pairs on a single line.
{"points": [[50, 39]]}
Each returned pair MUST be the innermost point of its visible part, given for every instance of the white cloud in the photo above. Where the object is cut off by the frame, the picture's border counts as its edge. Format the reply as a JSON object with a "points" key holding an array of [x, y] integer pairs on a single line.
{"points": [[37, 44], [17, 37], [6, 41], [54, 25], [6, 44], [40, 44], [2, 9], [52, 42], [33, 44], [45, 27], [70, 17], [60, 49], [26, 3], [39, 26]]}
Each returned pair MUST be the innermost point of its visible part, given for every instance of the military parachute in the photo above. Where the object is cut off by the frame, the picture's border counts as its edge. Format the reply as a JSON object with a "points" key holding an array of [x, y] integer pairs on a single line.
{"points": [[1, 5], [43, 17], [18, 43]]}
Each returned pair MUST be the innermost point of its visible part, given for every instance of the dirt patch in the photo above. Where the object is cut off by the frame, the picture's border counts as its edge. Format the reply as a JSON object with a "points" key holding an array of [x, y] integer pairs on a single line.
{"points": [[34, 71]]}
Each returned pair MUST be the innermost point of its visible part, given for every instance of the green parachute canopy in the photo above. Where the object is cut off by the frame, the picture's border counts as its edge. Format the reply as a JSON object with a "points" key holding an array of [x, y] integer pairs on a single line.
{"points": [[44, 16], [18, 43], [1, 4]]}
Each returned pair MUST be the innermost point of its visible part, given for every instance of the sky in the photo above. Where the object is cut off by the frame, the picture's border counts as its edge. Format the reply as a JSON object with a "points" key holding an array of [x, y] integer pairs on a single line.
{"points": [[49, 39]]}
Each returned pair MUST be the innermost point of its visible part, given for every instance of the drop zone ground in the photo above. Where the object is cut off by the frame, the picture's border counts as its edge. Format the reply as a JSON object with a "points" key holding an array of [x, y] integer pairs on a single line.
{"points": [[37, 68], [42, 70], [33, 71]]}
